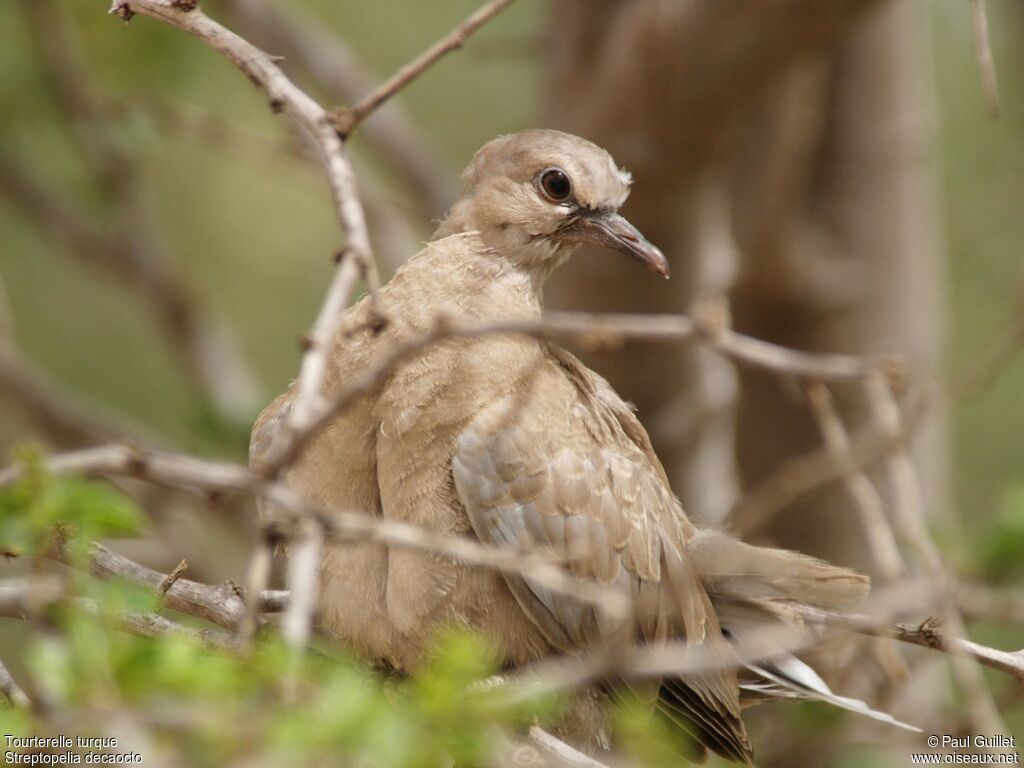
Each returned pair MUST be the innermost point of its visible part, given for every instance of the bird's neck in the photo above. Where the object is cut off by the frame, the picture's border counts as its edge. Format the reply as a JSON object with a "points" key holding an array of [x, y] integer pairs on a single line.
{"points": [[460, 273], [536, 257]]}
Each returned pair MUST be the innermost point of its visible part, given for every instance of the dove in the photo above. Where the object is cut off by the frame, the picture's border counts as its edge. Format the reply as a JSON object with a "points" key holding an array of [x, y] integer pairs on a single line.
{"points": [[514, 442]]}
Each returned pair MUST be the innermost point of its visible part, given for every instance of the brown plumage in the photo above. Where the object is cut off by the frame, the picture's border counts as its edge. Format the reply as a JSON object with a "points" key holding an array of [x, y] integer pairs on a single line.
{"points": [[515, 442]]}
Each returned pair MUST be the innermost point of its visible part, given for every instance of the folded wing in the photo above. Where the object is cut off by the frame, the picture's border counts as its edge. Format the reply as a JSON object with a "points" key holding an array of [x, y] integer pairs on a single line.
{"points": [[562, 465]]}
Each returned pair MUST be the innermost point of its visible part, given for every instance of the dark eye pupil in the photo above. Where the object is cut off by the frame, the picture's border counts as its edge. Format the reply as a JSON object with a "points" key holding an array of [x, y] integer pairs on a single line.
{"points": [[556, 184]]}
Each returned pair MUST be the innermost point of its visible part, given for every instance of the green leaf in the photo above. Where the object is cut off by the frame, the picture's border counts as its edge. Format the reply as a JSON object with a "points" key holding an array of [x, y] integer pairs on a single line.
{"points": [[95, 507], [38, 503], [1003, 548]]}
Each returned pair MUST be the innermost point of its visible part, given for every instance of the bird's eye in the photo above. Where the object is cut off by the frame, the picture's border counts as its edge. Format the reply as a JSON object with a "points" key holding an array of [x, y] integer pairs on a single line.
{"points": [[555, 184]]}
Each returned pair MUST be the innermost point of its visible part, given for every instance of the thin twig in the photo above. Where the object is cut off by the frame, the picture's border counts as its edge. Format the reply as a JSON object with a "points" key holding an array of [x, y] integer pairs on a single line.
{"points": [[329, 60], [284, 96], [677, 657], [993, 358], [881, 540], [199, 476], [19, 602], [303, 582], [170, 579], [911, 522], [10, 690], [260, 564], [348, 119], [815, 469], [219, 604], [983, 54], [591, 330], [931, 634], [983, 603], [564, 754]]}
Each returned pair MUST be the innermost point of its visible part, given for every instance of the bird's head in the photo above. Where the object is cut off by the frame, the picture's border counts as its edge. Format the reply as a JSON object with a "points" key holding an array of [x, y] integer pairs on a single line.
{"points": [[534, 196]]}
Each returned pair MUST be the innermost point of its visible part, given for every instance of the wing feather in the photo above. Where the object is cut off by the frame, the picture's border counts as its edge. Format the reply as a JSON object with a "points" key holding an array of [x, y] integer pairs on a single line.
{"points": [[562, 465]]}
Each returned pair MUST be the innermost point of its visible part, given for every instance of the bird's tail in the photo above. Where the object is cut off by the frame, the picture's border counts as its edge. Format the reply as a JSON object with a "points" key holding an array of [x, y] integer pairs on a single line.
{"points": [[786, 677], [759, 594], [749, 584]]}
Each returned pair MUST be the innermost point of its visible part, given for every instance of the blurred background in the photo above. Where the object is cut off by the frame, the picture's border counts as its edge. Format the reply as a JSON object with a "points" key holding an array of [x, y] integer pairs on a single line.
{"points": [[830, 172]]}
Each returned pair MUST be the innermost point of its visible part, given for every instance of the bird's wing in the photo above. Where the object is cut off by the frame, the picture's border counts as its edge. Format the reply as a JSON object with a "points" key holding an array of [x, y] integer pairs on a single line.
{"points": [[562, 465], [261, 440]]}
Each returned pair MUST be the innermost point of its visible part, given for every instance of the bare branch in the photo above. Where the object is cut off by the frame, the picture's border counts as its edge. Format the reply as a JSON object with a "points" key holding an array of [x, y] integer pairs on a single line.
{"points": [[11, 690], [590, 330], [222, 604], [985, 604], [273, 600], [285, 96], [19, 602], [911, 522], [881, 539], [348, 119], [563, 754], [260, 564], [983, 54], [197, 475], [678, 657], [806, 473], [303, 578], [930, 634], [329, 61]]}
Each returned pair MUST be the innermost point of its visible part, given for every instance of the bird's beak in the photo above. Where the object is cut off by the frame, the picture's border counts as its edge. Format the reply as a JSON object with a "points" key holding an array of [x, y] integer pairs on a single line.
{"points": [[614, 231]]}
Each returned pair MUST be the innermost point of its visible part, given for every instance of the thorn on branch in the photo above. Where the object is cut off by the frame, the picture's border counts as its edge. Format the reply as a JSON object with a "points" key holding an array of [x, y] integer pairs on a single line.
{"points": [[185, 5], [931, 632], [121, 9], [135, 464], [276, 105], [235, 587], [305, 342], [172, 577], [343, 119]]}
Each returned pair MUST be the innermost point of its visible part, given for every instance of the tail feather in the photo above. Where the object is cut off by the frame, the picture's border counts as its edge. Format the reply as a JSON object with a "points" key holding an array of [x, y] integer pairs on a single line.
{"points": [[732, 569], [788, 677], [757, 593]]}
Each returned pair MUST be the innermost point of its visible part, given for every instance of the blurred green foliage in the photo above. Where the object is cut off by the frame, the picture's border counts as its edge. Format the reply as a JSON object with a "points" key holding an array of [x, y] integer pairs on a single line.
{"points": [[1002, 548], [39, 506], [209, 709]]}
